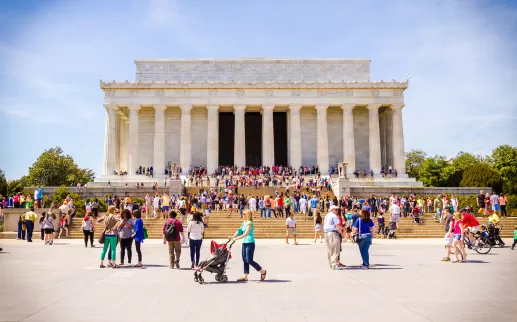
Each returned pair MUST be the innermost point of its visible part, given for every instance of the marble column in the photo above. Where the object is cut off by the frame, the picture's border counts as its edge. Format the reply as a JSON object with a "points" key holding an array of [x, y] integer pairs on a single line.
{"points": [[296, 136], [240, 136], [186, 138], [268, 138], [123, 134], [374, 138], [212, 139], [322, 140], [159, 140], [348, 139], [399, 157], [110, 148], [133, 140]]}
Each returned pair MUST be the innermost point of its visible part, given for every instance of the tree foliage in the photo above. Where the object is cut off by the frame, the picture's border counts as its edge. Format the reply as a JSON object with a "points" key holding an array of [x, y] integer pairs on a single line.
{"points": [[482, 175], [414, 162], [3, 184], [54, 168], [504, 160]]}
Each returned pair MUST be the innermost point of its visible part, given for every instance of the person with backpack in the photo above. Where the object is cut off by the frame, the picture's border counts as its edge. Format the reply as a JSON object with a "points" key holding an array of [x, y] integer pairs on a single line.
{"points": [[172, 236], [95, 208], [48, 227], [88, 229]]}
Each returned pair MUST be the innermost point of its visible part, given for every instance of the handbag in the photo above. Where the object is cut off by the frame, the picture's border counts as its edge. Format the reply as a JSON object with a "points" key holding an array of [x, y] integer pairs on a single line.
{"points": [[102, 236], [146, 235], [357, 237]]}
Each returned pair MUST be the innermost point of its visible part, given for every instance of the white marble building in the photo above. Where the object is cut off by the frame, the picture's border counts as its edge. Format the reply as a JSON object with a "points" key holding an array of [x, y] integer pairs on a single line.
{"points": [[334, 113]]}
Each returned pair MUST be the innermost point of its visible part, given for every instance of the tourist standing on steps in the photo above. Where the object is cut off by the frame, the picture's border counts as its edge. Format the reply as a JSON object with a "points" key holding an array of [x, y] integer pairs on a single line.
{"points": [[195, 229], [30, 218], [110, 236], [172, 236], [88, 229], [332, 230], [395, 213], [125, 228], [247, 233], [138, 235], [363, 227], [318, 227]]}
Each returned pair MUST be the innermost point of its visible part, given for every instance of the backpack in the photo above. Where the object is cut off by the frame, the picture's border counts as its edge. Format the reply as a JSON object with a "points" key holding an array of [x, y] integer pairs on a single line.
{"points": [[171, 234]]}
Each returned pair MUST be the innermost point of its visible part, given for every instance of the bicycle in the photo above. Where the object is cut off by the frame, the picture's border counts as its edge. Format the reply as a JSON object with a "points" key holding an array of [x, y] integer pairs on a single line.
{"points": [[481, 245]]}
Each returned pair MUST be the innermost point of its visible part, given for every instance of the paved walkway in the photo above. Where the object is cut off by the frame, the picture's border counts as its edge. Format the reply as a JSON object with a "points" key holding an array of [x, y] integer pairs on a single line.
{"points": [[407, 282]]}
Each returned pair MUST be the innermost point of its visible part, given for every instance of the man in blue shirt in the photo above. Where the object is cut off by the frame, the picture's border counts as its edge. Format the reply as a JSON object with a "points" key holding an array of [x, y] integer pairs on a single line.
{"points": [[332, 228], [314, 205], [40, 197]]}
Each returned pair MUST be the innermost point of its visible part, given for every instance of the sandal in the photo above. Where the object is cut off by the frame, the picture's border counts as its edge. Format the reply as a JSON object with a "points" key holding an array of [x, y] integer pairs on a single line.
{"points": [[242, 279], [115, 266], [263, 275], [102, 266], [138, 265]]}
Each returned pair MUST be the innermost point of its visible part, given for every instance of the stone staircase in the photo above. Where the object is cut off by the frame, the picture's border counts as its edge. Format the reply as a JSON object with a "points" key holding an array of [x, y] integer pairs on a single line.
{"points": [[222, 225]]}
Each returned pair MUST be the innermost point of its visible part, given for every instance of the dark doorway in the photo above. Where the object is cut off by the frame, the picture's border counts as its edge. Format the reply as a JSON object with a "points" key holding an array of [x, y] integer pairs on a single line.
{"points": [[253, 127], [280, 130], [226, 138]]}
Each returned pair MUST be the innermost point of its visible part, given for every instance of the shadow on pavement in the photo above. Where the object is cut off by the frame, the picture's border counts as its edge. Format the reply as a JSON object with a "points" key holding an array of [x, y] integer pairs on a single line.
{"points": [[474, 261], [252, 281]]}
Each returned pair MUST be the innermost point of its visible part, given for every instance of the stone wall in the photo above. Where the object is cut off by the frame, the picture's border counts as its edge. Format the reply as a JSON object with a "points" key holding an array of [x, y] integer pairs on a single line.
{"points": [[362, 149], [309, 137], [335, 134], [199, 135], [172, 134]]}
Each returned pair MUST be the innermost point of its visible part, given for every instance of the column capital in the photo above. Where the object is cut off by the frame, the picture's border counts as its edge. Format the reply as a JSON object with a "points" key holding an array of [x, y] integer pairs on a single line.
{"points": [[373, 106], [134, 107], [241, 107], [159, 107], [347, 107], [321, 106], [186, 107], [212, 107], [396, 106], [295, 107], [111, 107], [268, 106]]}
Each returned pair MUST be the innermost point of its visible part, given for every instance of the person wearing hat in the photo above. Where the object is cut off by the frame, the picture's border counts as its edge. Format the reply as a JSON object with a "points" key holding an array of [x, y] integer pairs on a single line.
{"points": [[332, 228]]}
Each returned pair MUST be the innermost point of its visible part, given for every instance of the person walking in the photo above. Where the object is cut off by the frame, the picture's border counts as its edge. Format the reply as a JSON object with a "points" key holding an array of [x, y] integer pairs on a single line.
{"points": [[502, 203], [332, 229], [363, 228], [138, 234], [125, 228], [88, 229], [246, 232], [318, 227], [290, 224], [172, 236], [48, 228], [195, 230], [449, 221], [458, 229], [30, 218], [110, 236], [514, 238]]}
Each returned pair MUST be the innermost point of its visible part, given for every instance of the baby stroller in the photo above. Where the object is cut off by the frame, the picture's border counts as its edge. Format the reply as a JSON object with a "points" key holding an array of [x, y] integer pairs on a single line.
{"points": [[216, 263], [417, 218], [391, 230], [494, 237]]}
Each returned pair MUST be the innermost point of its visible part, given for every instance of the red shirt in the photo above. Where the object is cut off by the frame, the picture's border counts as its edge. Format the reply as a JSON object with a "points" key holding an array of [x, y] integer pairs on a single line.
{"points": [[470, 221], [179, 227]]}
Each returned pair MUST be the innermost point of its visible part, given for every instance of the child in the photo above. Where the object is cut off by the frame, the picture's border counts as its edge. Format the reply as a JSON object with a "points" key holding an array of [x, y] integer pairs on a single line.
{"points": [[514, 238], [484, 233]]}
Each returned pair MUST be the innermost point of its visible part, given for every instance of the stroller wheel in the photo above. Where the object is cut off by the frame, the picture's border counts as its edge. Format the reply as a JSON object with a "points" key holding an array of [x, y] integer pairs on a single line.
{"points": [[224, 278], [201, 280], [218, 277]]}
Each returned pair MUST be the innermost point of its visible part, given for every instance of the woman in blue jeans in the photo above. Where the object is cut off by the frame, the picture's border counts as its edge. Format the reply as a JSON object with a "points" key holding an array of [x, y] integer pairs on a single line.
{"points": [[195, 231], [247, 233], [364, 227]]}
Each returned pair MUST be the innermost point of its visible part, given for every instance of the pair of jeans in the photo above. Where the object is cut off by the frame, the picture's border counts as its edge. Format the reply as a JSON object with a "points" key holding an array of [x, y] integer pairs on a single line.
{"points": [[262, 212], [126, 244], [248, 250], [30, 229], [109, 241], [195, 250], [287, 211], [280, 210], [21, 232], [268, 212], [503, 211], [364, 246], [381, 228], [88, 234]]}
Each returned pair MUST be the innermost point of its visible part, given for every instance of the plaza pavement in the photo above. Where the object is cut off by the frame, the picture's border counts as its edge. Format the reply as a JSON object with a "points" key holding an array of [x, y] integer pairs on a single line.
{"points": [[407, 282]]}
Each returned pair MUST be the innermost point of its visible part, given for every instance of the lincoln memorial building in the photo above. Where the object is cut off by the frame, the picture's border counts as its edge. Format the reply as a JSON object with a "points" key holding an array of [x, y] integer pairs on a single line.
{"points": [[253, 111]]}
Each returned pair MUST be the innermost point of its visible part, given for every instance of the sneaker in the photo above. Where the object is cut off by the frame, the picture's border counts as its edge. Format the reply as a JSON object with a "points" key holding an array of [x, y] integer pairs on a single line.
{"points": [[337, 268], [177, 264], [192, 265], [50, 243], [446, 259]]}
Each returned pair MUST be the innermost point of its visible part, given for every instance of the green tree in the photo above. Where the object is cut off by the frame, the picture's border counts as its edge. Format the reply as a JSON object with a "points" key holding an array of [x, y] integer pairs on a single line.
{"points": [[432, 173], [3, 184], [54, 168], [453, 173], [414, 163], [504, 160], [14, 186], [482, 175]]}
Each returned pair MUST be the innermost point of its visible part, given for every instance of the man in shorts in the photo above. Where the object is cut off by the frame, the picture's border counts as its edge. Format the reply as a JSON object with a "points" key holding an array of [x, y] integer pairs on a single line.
{"points": [[291, 228], [314, 205], [471, 224], [481, 203], [494, 201], [395, 213], [448, 239]]}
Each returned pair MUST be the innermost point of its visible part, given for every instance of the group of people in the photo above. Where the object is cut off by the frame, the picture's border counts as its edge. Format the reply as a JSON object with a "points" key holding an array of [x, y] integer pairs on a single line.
{"points": [[19, 200]]}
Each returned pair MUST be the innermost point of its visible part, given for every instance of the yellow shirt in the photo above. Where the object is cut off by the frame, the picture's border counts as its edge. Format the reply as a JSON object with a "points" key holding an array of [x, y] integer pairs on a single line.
{"points": [[166, 200], [193, 208], [493, 219], [30, 215]]}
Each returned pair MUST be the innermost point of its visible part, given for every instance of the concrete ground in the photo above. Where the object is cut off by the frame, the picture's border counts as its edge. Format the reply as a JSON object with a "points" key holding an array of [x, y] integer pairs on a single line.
{"points": [[407, 282]]}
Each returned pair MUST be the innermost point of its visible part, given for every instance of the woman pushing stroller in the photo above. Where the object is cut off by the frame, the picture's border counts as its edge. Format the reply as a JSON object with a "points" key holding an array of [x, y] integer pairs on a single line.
{"points": [[247, 233]]}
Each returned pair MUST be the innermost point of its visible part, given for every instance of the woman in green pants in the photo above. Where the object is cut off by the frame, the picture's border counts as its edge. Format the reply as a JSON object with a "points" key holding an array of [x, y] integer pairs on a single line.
{"points": [[110, 236]]}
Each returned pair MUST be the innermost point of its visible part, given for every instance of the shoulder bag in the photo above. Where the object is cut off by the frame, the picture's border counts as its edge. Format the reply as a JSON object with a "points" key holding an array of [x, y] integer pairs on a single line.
{"points": [[102, 236], [357, 237]]}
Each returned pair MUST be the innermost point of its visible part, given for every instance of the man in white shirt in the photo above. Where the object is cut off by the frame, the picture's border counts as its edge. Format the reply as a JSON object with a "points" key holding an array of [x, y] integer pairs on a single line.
{"points": [[156, 206], [303, 207], [291, 228], [252, 202], [395, 213], [332, 228]]}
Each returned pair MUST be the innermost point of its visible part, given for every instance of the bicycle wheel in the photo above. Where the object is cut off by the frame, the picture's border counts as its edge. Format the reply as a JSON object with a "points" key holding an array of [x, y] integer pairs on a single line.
{"points": [[482, 246]]}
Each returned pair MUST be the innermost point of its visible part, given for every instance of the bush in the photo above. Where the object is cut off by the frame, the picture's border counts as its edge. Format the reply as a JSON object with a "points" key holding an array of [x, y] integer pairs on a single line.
{"points": [[138, 200], [481, 175], [464, 201]]}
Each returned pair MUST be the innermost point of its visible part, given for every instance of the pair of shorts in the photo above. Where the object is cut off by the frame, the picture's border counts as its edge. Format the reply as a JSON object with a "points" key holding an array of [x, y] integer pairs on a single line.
{"points": [[457, 236], [48, 231], [291, 231], [165, 208], [314, 211], [473, 229], [253, 208], [448, 240], [318, 228], [496, 207]]}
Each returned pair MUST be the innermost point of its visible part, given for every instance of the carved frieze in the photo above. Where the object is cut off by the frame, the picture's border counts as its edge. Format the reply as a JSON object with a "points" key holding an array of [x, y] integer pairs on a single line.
{"points": [[321, 92], [268, 92], [295, 92], [212, 92], [239, 92]]}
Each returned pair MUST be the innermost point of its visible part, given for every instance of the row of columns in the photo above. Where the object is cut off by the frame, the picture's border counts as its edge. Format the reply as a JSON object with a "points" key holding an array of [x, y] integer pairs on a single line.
{"points": [[129, 137]]}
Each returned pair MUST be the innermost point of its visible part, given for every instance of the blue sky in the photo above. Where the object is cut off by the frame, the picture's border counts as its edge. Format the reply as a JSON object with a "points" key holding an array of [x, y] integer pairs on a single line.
{"points": [[461, 56]]}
